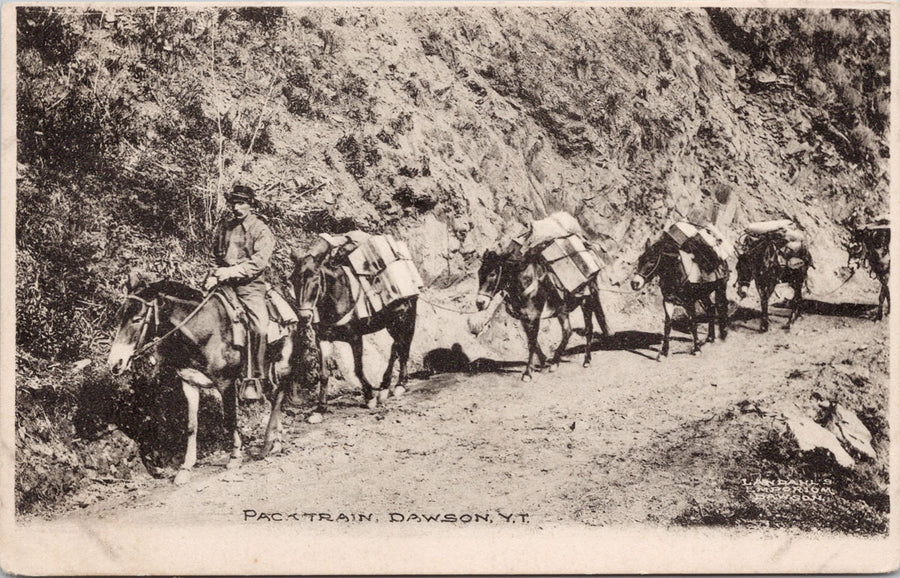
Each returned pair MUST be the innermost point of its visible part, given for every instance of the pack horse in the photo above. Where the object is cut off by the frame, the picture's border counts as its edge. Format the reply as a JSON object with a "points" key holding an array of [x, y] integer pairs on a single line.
{"points": [[548, 272], [336, 294], [870, 246], [773, 252], [683, 284]]}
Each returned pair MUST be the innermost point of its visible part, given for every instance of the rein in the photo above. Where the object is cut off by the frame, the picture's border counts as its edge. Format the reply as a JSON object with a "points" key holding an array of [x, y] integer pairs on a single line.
{"points": [[155, 307]]}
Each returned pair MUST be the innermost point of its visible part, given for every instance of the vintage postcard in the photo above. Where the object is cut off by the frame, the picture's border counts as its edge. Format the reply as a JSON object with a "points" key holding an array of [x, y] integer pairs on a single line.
{"points": [[448, 287]]}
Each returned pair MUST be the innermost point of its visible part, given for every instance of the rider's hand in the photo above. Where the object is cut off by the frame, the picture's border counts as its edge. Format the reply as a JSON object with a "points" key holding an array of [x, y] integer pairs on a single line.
{"points": [[224, 273], [210, 282]]}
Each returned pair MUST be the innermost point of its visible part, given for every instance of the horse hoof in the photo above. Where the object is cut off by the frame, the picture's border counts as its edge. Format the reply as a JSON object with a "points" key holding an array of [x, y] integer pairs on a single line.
{"points": [[587, 363], [383, 394], [315, 418], [277, 448], [233, 463], [399, 391], [526, 377], [182, 477], [372, 403]]}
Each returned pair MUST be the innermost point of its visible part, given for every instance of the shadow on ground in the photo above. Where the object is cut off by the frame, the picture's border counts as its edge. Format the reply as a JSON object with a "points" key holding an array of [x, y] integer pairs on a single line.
{"points": [[858, 310]]}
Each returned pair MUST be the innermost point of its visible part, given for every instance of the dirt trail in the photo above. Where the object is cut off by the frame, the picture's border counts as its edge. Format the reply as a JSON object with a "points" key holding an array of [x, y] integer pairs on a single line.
{"points": [[629, 440]]}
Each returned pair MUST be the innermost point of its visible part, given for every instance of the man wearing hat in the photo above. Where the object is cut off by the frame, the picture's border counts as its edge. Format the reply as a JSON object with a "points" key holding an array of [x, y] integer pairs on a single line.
{"points": [[243, 247]]}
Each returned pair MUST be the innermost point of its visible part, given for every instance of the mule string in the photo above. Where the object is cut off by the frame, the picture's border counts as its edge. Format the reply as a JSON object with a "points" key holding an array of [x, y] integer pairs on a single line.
{"points": [[847, 280], [445, 308], [156, 341]]}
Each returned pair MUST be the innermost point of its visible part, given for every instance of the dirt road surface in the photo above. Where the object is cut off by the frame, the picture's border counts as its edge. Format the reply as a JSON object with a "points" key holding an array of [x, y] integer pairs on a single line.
{"points": [[629, 440]]}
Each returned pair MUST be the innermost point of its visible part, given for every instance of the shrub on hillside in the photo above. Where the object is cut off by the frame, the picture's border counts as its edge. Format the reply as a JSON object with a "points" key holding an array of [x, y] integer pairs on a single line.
{"points": [[864, 143]]}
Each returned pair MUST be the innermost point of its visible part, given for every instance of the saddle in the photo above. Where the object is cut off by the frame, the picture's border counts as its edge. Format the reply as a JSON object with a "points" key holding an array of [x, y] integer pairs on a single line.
{"points": [[282, 318]]}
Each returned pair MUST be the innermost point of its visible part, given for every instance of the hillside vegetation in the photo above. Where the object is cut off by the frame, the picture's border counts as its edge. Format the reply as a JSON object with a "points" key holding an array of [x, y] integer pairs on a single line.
{"points": [[446, 126]]}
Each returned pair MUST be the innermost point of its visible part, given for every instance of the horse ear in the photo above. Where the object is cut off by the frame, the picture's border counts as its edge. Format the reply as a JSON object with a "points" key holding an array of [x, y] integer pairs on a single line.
{"points": [[135, 281], [647, 244]]}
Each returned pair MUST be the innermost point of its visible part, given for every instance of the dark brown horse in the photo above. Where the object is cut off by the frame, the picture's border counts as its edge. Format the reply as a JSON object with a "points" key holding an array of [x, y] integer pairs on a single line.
{"points": [[870, 246], [662, 259], [323, 292], [196, 340], [532, 293], [759, 262]]}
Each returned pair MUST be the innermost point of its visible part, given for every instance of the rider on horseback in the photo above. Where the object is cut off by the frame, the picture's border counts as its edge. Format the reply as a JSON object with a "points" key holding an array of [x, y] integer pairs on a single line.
{"points": [[243, 248]]}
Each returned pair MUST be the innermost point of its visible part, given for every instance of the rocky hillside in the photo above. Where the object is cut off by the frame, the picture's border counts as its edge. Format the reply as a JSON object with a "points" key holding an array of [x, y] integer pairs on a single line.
{"points": [[449, 127]]}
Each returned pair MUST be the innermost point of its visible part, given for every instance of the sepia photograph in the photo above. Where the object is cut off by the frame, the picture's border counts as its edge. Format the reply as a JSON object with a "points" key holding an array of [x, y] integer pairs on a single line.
{"points": [[447, 287]]}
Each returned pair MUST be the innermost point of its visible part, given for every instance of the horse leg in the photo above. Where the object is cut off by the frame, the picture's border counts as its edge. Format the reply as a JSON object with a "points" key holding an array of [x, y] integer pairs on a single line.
{"points": [[230, 409], [192, 393], [531, 334], [765, 292], [588, 312], [566, 327], [722, 310], [711, 315], [797, 286], [279, 369], [273, 429], [691, 308], [597, 307], [883, 296], [669, 309], [369, 398], [386, 387], [319, 414], [407, 331]]}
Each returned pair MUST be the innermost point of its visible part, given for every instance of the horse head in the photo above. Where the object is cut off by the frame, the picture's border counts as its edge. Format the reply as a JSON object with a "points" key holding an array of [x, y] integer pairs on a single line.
{"points": [[133, 321], [489, 278], [744, 274], [307, 282], [648, 264]]}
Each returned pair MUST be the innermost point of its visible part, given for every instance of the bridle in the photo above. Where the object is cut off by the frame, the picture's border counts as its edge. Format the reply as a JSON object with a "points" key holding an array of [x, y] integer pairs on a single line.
{"points": [[153, 310], [653, 270], [496, 288], [312, 302]]}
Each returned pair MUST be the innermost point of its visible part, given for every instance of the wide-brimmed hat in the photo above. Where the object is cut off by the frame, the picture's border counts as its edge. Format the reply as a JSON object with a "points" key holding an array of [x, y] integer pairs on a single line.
{"points": [[241, 192]]}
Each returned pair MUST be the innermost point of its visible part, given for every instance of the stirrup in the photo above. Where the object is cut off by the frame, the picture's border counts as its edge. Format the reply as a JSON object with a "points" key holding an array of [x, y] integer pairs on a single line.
{"points": [[250, 388]]}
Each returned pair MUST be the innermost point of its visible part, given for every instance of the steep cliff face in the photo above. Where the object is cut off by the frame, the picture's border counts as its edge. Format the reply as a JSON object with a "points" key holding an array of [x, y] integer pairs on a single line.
{"points": [[448, 126]]}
